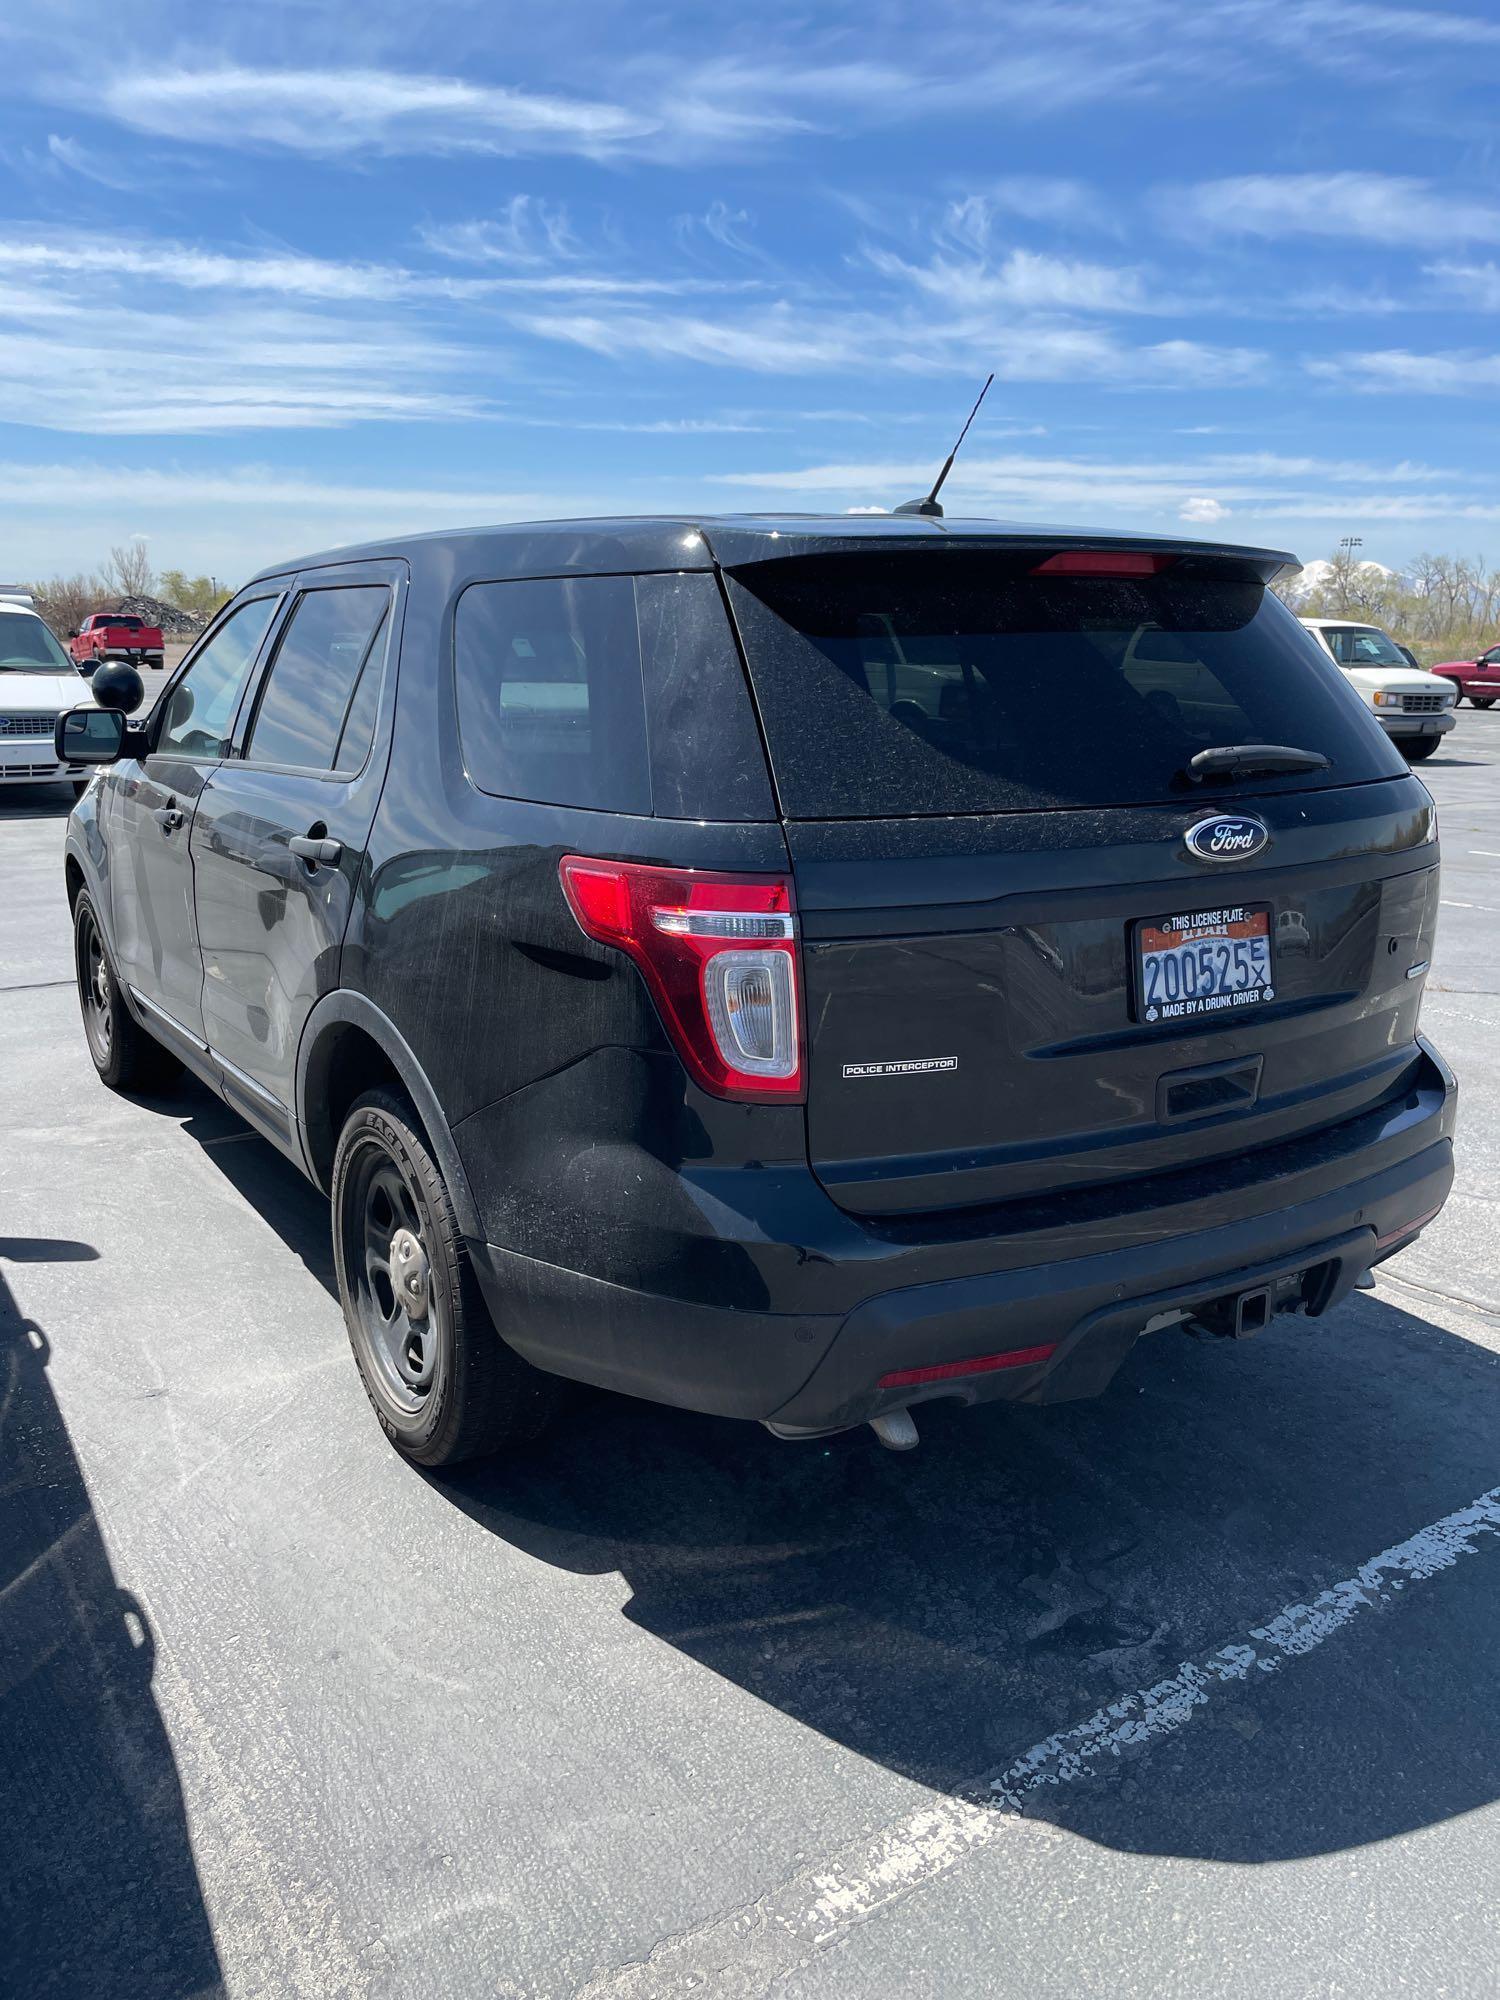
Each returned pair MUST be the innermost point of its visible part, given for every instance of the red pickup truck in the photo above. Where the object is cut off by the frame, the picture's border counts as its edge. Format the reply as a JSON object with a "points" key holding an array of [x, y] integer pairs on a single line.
{"points": [[115, 635], [1478, 679]]}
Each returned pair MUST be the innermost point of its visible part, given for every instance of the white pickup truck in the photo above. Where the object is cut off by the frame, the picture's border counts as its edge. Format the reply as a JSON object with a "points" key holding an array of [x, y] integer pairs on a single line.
{"points": [[1414, 708]]}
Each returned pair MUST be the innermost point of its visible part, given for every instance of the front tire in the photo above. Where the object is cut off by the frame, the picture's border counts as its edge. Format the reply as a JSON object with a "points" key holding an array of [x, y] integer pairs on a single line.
{"points": [[442, 1383], [1420, 751], [124, 1055], [1482, 700]]}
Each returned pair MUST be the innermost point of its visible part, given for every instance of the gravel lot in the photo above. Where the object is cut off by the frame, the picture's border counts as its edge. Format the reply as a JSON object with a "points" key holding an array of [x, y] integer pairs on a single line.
{"points": [[669, 1707]]}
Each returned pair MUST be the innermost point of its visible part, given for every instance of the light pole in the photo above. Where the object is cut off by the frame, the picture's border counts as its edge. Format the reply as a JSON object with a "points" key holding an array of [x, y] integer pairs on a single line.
{"points": [[1348, 543]]}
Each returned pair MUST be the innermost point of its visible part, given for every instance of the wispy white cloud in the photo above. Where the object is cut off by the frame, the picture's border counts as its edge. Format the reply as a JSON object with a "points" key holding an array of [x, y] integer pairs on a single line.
{"points": [[1396, 370], [1476, 286], [791, 339], [1372, 207], [525, 231], [1266, 486], [105, 169], [328, 111], [58, 486], [974, 220], [1030, 280], [125, 369], [289, 274], [727, 227]]}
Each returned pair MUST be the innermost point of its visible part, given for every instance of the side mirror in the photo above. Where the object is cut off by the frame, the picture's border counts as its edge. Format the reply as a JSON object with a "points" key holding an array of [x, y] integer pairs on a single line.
{"points": [[72, 631], [119, 687], [89, 736]]}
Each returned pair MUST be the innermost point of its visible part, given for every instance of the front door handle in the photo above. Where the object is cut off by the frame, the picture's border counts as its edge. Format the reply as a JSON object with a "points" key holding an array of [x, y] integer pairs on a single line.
{"points": [[316, 853], [167, 817]]}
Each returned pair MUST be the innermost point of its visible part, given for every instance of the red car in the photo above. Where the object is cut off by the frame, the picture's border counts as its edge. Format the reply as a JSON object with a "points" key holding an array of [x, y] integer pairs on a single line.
{"points": [[1478, 679], [115, 635]]}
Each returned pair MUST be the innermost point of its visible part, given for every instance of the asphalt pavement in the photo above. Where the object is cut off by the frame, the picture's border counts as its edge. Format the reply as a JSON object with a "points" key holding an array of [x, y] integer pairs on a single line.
{"points": [[1186, 1691]]}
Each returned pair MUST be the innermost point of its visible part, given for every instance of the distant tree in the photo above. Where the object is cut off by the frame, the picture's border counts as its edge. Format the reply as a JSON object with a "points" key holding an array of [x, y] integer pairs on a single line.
{"points": [[65, 601], [128, 573], [199, 595]]}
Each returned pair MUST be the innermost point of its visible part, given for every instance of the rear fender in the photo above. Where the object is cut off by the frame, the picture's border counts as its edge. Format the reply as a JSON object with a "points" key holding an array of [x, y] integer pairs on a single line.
{"points": [[346, 1008]]}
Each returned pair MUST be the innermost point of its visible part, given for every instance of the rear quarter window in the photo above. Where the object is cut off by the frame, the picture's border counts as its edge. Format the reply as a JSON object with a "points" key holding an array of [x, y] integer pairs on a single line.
{"points": [[617, 693], [957, 682], [548, 679]]}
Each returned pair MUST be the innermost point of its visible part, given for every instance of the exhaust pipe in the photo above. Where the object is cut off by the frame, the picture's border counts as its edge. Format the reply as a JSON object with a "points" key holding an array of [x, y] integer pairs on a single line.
{"points": [[896, 1430]]}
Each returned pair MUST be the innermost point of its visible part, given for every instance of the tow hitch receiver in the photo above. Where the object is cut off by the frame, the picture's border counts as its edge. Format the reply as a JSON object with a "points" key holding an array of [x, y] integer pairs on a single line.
{"points": [[1239, 1314]]}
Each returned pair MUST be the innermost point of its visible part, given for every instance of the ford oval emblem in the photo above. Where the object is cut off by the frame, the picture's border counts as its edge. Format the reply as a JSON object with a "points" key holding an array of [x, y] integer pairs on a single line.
{"points": [[1226, 837]]}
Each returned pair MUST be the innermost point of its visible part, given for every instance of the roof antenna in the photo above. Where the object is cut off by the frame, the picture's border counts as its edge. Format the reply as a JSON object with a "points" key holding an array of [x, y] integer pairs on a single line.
{"points": [[930, 505]]}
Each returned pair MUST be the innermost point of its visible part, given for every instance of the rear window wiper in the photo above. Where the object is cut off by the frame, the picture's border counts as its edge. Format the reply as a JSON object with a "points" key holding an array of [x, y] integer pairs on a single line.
{"points": [[1235, 760]]}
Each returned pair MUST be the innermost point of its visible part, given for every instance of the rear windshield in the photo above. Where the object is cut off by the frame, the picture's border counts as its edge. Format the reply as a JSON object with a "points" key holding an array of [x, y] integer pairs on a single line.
{"points": [[956, 682]]}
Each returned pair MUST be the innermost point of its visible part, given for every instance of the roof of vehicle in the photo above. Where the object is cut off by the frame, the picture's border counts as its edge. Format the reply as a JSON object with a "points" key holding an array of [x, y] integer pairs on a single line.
{"points": [[697, 541], [17, 609]]}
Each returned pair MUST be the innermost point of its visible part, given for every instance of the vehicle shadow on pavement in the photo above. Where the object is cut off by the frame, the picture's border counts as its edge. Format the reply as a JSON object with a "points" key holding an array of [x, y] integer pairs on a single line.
{"points": [[36, 801], [98, 1891], [941, 1612]]}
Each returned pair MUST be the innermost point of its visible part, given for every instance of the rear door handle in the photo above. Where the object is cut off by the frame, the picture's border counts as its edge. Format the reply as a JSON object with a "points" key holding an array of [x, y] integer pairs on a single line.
{"points": [[316, 853], [167, 817]]}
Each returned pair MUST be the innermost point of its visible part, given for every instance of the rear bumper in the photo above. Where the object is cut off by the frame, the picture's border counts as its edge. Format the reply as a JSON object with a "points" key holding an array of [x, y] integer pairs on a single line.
{"points": [[1091, 1311], [1317, 1211]]}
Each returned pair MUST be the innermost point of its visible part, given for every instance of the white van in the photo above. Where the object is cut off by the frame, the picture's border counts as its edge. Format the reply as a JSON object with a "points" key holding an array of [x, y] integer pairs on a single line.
{"points": [[1413, 707]]}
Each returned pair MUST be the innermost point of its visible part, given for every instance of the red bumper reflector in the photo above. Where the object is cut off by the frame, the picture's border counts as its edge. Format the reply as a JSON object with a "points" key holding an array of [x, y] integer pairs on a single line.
{"points": [[1406, 1229], [984, 1364], [1103, 562]]}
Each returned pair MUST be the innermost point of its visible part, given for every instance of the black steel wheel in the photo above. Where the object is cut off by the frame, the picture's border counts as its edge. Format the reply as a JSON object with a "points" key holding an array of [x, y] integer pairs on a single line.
{"points": [[442, 1382], [126, 1057]]}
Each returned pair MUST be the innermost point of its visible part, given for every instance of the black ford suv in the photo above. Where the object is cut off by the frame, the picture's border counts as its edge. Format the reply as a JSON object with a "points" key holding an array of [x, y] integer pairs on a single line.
{"points": [[794, 968]]}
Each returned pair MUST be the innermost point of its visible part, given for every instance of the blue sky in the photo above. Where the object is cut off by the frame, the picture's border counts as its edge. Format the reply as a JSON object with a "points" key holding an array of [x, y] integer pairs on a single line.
{"points": [[280, 276]]}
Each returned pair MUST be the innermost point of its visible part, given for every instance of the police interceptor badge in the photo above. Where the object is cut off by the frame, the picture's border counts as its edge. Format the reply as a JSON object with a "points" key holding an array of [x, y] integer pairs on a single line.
{"points": [[914, 1066]]}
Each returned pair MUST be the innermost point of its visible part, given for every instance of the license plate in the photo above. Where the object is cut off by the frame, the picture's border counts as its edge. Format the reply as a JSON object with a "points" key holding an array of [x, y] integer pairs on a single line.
{"points": [[1204, 962]]}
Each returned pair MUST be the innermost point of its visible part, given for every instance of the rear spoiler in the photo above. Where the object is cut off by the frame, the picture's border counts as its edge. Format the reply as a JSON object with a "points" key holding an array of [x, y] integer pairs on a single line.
{"points": [[738, 547]]}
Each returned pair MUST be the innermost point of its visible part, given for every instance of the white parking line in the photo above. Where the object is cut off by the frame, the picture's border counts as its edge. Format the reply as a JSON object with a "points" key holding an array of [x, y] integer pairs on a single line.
{"points": [[1489, 853], [744, 1953]]}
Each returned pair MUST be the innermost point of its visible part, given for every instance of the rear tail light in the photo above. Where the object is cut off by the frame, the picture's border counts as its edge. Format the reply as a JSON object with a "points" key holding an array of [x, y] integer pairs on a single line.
{"points": [[719, 955], [1103, 562]]}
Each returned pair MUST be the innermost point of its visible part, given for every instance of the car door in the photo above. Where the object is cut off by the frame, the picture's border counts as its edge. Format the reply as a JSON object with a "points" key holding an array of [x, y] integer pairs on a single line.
{"points": [[154, 801], [279, 838]]}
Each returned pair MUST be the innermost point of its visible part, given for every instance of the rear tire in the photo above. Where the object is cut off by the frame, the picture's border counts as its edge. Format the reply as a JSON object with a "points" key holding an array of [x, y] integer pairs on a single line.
{"points": [[126, 1058], [1419, 752], [1482, 700], [442, 1383]]}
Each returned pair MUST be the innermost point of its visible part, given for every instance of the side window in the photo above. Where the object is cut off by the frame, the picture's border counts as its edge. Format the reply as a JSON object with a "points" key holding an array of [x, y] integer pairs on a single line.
{"points": [[549, 692], [311, 712], [200, 709]]}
